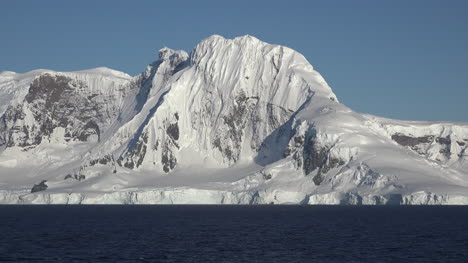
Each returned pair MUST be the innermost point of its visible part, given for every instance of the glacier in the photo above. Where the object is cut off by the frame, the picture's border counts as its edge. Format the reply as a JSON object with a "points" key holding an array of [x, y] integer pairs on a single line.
{"points": [[235, 121]]}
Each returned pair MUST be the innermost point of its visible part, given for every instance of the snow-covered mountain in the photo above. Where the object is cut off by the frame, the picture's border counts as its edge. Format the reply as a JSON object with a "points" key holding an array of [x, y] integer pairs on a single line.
{"points": [[236, 121]]}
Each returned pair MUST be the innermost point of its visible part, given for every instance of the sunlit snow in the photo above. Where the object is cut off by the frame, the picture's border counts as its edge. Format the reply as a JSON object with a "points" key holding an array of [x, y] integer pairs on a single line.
{"points": [[236, 121]]}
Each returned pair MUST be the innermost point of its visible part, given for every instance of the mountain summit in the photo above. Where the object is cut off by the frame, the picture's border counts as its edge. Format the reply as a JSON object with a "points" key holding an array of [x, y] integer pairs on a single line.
{"points": [[236, 121]]}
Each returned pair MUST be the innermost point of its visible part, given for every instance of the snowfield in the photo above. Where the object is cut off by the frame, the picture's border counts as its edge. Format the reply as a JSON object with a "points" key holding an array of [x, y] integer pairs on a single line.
{"points": [[236, 121]]}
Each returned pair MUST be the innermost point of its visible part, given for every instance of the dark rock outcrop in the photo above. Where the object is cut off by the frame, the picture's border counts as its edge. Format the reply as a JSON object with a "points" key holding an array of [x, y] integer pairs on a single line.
{"points": [[310, 156], [420, 144], [39, 187], [405, 140], [444, 141], [60, 100]]}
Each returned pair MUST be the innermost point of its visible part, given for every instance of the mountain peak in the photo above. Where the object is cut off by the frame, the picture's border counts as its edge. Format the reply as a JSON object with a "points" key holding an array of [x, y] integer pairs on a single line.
{"points": [[240, 121], [166, 53], [227, 61], [247, 38], [213, 39]]}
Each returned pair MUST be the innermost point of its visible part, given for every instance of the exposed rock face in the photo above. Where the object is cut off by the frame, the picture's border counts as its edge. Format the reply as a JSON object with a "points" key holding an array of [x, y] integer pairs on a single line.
{"points": [[438, 148], [39, 187], [412, 141], [311, 156], [250, 116], [135, 157], [64, 104], [157, 74]]}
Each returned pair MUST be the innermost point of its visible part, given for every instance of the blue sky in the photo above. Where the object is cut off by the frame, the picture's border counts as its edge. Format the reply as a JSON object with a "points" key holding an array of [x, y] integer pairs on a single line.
{"points": [[398, 59]]}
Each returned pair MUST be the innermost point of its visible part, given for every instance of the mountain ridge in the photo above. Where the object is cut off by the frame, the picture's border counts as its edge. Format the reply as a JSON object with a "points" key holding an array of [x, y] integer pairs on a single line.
{"points": [[235, 121]]}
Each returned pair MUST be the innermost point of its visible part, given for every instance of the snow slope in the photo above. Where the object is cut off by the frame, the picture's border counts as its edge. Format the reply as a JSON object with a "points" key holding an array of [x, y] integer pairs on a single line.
{"points": [[236, 121]]}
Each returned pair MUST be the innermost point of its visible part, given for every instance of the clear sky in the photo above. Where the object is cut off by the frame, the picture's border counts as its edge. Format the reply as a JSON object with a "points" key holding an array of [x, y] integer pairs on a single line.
{"points": [[399, 59]]}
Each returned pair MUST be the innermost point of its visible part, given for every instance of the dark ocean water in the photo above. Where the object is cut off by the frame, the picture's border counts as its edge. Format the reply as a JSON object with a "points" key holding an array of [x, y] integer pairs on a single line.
{"points": [[233, 234]]}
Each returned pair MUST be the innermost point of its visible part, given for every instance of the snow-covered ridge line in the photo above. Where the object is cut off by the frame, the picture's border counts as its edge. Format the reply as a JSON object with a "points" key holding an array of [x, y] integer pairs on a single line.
{"points": [[236, 121], [95, 71]]}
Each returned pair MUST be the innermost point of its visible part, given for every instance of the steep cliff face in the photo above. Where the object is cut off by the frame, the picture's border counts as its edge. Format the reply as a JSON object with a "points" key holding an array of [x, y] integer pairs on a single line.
{"points": [[444, 143], [235, 121], [224, 103], [70, 106]]}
